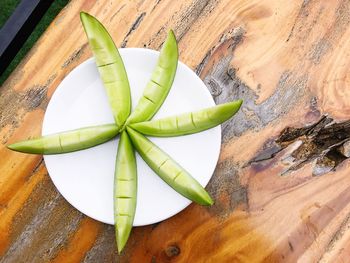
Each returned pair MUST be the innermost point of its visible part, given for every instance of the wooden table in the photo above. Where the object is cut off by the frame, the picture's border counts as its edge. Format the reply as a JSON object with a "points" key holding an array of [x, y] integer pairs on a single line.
{"points": [[282, 193]]}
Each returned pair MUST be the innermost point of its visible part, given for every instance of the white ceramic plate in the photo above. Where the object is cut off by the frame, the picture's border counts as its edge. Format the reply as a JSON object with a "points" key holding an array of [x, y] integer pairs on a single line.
{"points": [[85, 178]]}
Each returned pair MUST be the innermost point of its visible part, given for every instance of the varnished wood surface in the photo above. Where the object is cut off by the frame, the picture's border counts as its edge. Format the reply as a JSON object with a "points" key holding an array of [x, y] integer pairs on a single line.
{"points": [[288, 60]]}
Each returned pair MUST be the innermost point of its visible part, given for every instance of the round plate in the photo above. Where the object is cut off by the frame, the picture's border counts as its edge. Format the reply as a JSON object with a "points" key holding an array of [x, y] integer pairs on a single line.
{"points": [[85, 178]]}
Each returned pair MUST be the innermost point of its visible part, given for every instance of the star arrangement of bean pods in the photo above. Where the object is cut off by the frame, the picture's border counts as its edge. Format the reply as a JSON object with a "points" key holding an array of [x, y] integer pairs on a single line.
{"points": [[132, 126]]}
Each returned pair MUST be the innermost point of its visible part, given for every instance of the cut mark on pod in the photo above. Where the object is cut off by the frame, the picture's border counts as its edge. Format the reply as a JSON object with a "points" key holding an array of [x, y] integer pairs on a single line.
{"points": [[155, 82], [125, 180], [110, 82], [79, 136], [149, 149], [150, 100], [159, 125], [107, 64], [177, 175], [162, 164], [60, 142], [97, 48], [124, 197], [120, 214], [194, 125]]}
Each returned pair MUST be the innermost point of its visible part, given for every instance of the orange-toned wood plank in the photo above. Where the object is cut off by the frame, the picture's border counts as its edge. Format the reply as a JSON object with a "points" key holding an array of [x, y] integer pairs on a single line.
{"points": [[81, 242]]}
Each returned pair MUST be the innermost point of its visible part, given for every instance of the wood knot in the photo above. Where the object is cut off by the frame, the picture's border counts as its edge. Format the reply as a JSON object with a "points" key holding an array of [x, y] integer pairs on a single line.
{"points": [[172, 251], [214, 87], [231, 72]]}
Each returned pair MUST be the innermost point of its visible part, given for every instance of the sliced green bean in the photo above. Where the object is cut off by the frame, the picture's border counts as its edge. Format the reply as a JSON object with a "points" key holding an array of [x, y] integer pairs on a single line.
{"points": [[168, 170], [68, 141], [158, 87], [190, 122], [110, 66], [125, 190]]}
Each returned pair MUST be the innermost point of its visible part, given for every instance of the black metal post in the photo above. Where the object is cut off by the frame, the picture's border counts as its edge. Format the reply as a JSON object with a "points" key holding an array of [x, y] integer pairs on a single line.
{"points": [[18, 28]]}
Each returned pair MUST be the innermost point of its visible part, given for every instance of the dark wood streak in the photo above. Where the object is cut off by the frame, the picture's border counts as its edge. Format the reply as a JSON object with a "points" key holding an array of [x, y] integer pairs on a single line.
{"points": [[29, 100], [339, 233], [134, 26], [74, 56], [184, 22], [104, 247], [116, 13], [302, 12], [195, 10], [155, 5]]}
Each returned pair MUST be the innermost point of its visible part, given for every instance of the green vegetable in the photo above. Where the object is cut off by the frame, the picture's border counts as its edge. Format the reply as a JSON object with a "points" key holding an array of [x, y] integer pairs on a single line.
{"points": [[188, 123], [110, 66], [125, 190], [167, 169], [158, 87], [67, 141]]}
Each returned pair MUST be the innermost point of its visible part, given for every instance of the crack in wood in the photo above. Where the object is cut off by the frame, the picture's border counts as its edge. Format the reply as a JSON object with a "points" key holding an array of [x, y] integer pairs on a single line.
{"points": [[326, 143]]}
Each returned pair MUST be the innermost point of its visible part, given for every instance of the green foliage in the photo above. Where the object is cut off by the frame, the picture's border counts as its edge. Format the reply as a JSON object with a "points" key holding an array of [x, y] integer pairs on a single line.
{"points": [[7, 7]]}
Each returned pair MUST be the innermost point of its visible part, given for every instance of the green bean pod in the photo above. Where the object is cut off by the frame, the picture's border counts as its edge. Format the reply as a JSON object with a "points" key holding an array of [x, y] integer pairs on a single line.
{"points": [[188, 123], [125, 190], [168, 170], [111, 67], [68, 141], [159, 86]]}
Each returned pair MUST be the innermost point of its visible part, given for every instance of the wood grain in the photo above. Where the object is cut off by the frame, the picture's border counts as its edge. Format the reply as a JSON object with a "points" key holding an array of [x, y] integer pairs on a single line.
{"points": [[288, 60]]}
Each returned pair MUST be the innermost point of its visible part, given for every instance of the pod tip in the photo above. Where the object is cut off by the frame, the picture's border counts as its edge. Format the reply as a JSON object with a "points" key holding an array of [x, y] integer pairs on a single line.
{"points": [[210, 201], [84, 17], [234, 105], [119, 250], [17, 147], [171, 34], [205, 199], [83, 14], [121, 241], [11, 147]]}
